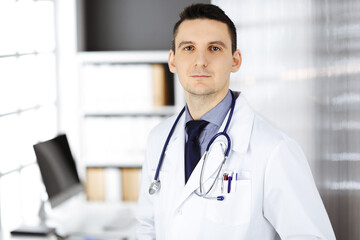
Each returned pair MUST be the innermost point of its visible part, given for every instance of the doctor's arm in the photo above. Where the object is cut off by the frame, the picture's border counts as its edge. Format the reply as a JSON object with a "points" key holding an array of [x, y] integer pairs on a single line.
{"points": [[145, 208], [292, 203]]}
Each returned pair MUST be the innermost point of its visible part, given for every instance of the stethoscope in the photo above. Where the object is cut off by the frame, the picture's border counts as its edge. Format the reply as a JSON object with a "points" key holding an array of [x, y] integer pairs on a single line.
{"points": [[156, 185]]}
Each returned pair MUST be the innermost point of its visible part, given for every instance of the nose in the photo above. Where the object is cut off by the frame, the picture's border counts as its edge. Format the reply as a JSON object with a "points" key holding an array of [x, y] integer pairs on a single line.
{"points": [[201, 59]]}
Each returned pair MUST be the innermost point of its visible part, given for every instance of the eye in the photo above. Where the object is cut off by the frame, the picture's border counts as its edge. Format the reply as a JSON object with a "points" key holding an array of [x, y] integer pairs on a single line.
{"points": [[215, 49], [188, 48]]}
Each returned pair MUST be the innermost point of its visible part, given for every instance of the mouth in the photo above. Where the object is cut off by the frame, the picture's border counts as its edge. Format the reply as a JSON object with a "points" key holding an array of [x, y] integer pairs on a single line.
{"points": [[200, 76]]}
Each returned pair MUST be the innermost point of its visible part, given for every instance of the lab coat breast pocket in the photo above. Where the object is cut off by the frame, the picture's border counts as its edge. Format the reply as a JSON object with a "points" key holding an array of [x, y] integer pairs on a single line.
{"points": [[235, 209]]}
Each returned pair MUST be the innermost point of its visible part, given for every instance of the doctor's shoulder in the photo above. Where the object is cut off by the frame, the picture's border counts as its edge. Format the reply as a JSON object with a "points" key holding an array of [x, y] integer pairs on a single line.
{"points": [[266, 133], [269, 138]]}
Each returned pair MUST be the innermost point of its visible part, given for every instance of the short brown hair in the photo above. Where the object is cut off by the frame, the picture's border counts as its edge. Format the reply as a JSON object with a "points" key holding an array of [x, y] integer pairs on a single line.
{"points": [[205, 11]]}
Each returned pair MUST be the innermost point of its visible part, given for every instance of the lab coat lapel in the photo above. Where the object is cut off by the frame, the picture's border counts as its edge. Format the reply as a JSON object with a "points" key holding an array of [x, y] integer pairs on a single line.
{"points": [[241, 129], [191, 185], [212, 164]]}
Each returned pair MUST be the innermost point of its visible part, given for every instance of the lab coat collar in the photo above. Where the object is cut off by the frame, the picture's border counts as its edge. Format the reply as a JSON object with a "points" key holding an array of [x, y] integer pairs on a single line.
{"points": [[241, 126], [239, 131]]}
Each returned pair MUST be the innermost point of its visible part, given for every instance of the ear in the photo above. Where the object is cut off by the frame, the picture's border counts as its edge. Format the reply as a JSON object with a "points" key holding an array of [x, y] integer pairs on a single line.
{"points": [[236, 61], [171, 61]]}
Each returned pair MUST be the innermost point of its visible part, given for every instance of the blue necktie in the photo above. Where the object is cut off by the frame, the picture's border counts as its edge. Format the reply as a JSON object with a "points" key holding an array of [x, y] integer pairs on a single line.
{"points": [[192, 146]]}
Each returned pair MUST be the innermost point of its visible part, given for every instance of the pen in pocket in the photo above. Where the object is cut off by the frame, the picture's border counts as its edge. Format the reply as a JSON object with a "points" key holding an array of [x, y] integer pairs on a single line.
{"points": [[229, 184], [224, 181]]}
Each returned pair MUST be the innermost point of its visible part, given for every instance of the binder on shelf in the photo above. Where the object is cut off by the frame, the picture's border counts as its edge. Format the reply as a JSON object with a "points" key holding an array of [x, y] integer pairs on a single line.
{"points": [[130, 178], [112, 184], [159, 85], [116, 87], [104, 140], [95, 187]]}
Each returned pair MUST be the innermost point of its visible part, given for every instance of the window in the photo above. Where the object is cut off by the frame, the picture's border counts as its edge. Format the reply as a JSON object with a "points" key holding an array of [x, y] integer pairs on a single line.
{"points": [[28, 103]]}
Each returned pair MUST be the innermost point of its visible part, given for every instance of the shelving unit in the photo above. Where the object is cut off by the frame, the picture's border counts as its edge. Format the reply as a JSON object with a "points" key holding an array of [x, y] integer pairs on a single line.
{"points": [[118, 88], [123, 95]]}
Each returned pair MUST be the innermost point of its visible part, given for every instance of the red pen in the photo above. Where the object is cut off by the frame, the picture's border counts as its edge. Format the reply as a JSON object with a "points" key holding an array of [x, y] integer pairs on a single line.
{"points": [[225, 178]]}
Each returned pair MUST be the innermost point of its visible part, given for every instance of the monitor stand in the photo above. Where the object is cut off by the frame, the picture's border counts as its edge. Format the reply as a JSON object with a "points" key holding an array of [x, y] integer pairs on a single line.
{"points": [[39, 229], [42, 212]]}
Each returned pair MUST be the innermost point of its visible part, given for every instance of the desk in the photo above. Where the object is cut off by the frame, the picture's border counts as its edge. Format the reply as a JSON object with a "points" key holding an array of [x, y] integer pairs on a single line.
{"points": [[53, 237], [92, 220]]}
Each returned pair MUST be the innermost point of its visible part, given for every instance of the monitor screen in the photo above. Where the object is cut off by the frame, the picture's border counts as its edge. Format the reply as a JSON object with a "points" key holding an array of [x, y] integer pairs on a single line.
{"points": [[58, 169]]}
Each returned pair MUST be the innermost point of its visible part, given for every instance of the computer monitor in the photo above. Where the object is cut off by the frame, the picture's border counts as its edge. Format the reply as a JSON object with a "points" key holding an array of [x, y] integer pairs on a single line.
{"points": [[58, 169]]}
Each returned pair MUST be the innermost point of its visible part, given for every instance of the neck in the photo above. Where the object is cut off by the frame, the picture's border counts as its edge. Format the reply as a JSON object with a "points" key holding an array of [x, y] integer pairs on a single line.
{"points": [[199, 105]]}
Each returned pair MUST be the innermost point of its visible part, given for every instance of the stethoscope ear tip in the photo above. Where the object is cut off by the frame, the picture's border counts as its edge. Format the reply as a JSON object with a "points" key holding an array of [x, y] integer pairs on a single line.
{"points": [[220, 198]]}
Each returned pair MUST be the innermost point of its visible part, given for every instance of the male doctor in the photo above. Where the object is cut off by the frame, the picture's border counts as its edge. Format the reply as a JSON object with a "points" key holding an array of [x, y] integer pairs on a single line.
{"points": [[264, 190]]}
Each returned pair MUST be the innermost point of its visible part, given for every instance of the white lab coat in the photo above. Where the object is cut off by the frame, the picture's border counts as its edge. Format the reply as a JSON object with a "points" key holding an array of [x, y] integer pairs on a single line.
{"points": [[275, 198]]}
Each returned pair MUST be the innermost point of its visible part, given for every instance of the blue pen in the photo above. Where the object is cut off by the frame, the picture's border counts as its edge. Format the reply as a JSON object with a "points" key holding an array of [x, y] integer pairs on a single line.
{"points": [[229, 184], [235, 183]]}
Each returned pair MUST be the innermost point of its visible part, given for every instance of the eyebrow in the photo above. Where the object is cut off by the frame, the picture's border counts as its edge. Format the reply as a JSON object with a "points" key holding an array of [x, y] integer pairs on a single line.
{"points": [[220, 43], [184, 43]]}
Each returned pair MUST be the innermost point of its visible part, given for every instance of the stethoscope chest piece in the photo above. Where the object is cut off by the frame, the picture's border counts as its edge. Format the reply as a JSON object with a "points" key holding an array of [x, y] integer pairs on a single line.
{"points": [[154, 187]]}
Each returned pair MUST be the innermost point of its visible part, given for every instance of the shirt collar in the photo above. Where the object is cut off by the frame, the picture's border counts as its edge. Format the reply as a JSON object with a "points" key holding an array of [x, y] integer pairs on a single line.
{"points": [[217, 114]]}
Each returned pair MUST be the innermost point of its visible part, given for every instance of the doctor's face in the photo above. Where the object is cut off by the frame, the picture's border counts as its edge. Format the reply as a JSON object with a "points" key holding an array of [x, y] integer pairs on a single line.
{"points": [[203, 58]]}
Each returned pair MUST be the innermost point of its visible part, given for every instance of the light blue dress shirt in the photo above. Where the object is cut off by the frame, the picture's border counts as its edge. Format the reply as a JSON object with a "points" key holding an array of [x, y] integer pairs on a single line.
{"points": [[215, 117]]}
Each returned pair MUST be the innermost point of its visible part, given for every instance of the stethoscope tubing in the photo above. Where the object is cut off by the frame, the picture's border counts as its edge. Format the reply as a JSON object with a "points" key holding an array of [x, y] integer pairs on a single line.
{"points": [[166, 143], [155, 185], [215, 137]]}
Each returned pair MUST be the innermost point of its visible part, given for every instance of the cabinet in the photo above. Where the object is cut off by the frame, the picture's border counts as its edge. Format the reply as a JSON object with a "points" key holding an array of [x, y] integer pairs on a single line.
{"points": [[123, 95], [112, 183]]}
